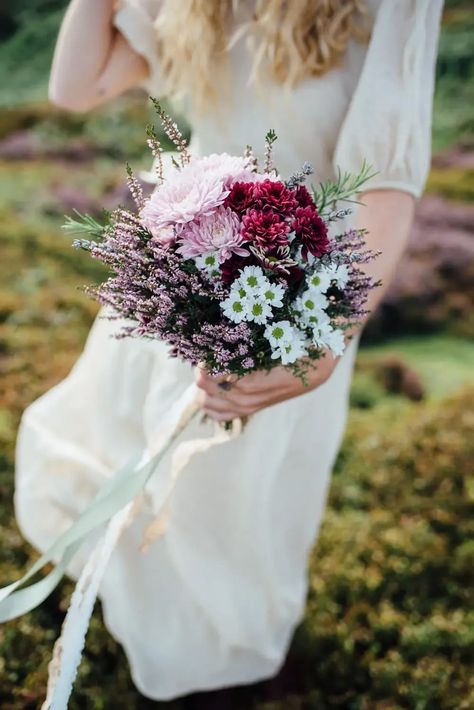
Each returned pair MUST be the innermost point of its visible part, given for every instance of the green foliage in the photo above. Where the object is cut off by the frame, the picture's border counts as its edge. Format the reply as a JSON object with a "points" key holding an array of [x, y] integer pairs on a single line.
{"points": [[344, 188], [453, 119], [83, 225], [26, 51]]}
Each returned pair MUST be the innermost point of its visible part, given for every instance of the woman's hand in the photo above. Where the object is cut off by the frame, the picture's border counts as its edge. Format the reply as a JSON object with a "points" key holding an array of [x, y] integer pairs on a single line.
{"points": [[258, 390]]}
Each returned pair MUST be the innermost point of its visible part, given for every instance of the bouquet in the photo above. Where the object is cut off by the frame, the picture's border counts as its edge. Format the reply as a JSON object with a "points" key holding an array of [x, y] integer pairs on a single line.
{"points": [[230, 265], [235, 268]]}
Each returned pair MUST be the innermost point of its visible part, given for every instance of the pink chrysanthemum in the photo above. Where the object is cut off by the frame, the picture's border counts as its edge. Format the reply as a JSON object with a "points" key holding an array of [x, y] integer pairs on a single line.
{"points": [[220, 166], [182, 199], [218, 233], [227, 168]]}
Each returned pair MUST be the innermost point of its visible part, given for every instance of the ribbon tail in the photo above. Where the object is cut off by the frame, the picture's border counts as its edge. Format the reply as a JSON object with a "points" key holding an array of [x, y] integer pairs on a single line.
{"points": [[68, 648], [184, 452]]}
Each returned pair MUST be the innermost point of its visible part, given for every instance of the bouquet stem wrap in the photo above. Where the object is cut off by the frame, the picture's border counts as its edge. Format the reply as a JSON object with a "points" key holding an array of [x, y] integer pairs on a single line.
{"points": [[115, 505]]}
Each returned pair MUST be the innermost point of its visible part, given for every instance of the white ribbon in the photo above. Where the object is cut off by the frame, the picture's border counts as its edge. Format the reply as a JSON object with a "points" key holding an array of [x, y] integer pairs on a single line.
{"points": [[68, 648], [114, 505]]}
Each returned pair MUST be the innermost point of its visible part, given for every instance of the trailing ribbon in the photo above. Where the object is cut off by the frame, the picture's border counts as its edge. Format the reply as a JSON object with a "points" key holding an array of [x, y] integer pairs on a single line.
{"points": [[68, 648], [115, 504]]}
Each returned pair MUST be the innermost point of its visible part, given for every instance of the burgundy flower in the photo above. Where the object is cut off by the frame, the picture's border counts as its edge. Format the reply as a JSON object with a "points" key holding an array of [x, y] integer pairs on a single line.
{"points": [[303, 197], [274, 194], [240, 197], [231, 267], [265, 229], [310, 231]]}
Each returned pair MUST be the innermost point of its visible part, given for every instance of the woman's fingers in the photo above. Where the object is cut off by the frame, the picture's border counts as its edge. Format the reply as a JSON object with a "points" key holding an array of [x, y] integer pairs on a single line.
{"points": [[223, 408], [210, 383], [220, 416]]}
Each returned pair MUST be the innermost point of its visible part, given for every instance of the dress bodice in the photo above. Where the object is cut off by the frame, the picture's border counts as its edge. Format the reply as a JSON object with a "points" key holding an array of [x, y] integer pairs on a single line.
{"points": [[374, 106]]}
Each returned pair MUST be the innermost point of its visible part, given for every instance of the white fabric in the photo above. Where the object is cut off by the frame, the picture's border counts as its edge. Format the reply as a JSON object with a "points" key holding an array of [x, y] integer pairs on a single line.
{"points": [[397, 80], [215, 601]]}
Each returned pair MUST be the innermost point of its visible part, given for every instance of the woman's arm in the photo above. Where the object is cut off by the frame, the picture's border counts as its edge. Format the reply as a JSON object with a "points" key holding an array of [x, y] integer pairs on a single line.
{"points": [[388, 216], [92, 62]]}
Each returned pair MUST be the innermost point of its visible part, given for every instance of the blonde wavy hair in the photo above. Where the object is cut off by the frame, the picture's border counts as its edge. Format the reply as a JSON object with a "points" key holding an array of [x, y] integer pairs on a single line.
{"points": [[292, 40]]}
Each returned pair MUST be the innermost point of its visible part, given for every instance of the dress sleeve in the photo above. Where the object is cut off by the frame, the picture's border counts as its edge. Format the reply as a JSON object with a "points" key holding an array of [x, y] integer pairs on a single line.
{"points": [[388, 123], [135, 20]]}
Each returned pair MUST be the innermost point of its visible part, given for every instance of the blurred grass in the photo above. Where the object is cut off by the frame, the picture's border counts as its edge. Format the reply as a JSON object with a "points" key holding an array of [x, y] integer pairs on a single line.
{"points": [[443, 363], [454, 183]]}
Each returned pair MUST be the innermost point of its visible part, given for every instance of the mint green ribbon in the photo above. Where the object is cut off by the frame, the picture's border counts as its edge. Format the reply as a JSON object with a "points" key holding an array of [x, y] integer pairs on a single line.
{"points": [[113, 496]]}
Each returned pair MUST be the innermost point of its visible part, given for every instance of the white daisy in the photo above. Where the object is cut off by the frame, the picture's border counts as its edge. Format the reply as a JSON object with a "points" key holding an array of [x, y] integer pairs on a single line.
{"points": [[336, 342], [314, 319], [322, 334], [273, 294], [319, 281], [258, 310], [279, 333], [235, 307], [209, 263], [252, 279], [339, 274], [325, 276], [311, 304], [325, 336], [290, 352]]}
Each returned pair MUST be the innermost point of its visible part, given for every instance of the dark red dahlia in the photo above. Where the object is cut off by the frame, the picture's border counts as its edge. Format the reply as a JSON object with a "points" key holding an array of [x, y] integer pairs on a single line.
{"points": [[265, 229], [231, 267], [275, 195], [240, 197], [303, 197], [310, 231]]}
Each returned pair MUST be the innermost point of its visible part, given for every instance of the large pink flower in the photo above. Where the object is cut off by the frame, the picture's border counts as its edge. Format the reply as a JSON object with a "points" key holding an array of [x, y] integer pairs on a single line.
{"points": [[218, 233], [181, 199], [225, 167], [221, 166]]}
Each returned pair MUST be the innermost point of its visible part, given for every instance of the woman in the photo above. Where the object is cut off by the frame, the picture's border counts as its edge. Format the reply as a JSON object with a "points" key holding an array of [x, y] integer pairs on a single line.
{"points": [[215, 601]]}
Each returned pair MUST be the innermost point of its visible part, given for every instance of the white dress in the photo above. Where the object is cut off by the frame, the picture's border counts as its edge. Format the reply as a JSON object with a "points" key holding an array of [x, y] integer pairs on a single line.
{"points": [[215, 601]]}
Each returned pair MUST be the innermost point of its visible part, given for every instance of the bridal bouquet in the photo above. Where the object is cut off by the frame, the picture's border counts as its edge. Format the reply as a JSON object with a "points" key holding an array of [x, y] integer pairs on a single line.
{"points": [[233, 266]]}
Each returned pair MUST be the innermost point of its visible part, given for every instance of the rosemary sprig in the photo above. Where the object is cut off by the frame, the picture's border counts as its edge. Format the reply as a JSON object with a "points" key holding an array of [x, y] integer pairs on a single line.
{"points": [[328, 194], [83, 225]]}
